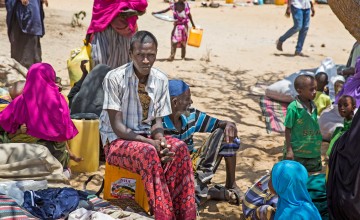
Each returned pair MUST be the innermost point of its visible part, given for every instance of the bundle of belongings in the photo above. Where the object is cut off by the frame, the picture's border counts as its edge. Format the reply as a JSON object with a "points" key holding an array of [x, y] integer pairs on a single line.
{"points": [[279, 94], [33, 186]]}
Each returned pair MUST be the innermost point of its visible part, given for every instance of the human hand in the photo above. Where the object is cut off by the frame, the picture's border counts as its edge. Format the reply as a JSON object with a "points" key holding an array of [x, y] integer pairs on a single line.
{"points": [[288, 12], [312, 11], [75, 158], [83, 67], [25, 2], [45, 2], [289, 154], [230, 132], [165, 154]]}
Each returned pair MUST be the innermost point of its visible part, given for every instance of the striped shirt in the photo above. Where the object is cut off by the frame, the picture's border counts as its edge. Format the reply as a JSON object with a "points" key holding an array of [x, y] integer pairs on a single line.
{"points": [[121, 94], [197, 122], [259, 201]]}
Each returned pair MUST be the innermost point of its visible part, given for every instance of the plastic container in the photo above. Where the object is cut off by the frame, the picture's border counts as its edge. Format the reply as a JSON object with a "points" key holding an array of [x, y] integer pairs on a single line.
{"points": [[280, 2], [229, 1], [195, 37], [113, 174], [86, 145]]}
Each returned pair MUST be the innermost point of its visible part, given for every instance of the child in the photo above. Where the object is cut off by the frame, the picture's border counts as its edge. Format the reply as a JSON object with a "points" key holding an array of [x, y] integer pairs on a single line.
{"points": [[302, 133], [346, 107], [16, 89], [181, 11], [288, 180], [322, 101]]}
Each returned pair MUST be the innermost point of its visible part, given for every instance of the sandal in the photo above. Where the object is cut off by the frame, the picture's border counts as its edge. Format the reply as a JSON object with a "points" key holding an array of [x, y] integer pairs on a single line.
{"points": [[233, 196]]}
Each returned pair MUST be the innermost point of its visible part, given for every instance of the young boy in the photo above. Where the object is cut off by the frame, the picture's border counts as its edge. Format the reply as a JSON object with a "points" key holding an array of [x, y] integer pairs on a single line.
{"points": [[322, 101], [346, 107], [302, 132]]}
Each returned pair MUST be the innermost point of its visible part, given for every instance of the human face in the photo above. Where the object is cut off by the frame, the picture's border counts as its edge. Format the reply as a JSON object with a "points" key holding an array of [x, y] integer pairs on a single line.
{"points": [[346, 109], [184, 102], [143, 56], [338, 86], [308, 92]]}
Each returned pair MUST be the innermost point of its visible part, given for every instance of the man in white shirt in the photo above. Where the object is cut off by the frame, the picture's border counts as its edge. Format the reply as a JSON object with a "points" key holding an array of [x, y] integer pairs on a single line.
{"points": [[136, 97], [300, 10]]}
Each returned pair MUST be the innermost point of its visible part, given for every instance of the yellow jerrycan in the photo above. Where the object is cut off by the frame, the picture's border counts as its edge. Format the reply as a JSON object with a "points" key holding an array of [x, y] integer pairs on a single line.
{"points": [[86, 143], [280, 2], [195, 37]]}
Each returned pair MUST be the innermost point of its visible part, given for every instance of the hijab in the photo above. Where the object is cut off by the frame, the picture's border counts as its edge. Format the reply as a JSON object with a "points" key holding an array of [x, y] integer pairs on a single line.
{"points": [[41, 107], [289, 179], [105, 11], [343, 184], [352, 86]]}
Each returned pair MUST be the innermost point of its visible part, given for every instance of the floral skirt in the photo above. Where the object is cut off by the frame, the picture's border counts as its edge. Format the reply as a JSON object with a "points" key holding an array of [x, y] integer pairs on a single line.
{"points": [[170, 186]]}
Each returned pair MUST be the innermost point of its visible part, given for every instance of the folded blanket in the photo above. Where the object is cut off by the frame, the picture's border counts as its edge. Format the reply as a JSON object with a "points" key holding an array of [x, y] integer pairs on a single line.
{"points": [[274, 112]]}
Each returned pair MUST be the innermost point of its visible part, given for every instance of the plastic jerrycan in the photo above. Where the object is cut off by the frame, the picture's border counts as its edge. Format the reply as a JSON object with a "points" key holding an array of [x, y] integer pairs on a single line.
{"points": [[280, 2], [195, 37], [86, 143]]}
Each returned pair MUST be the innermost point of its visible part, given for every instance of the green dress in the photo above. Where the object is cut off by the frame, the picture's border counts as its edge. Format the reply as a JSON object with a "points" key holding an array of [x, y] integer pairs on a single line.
{"points": [[337, 133]]}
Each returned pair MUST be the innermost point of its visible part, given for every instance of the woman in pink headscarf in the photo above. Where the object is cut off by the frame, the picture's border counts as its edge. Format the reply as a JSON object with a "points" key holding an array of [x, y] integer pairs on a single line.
{"points": [[42, 113], [112, 25]]}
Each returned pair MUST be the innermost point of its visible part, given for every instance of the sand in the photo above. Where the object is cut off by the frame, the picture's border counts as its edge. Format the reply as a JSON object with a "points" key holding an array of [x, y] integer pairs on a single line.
{"points": [[237, 51]]}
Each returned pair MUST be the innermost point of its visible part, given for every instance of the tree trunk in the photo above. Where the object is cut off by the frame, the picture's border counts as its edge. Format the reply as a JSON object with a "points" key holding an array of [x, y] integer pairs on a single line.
{"points": [[348, 12]]}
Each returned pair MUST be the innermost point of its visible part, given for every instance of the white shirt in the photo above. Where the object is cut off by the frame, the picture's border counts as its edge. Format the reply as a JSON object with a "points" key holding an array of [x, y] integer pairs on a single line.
{"points": [[121, 94], [301, 4]]}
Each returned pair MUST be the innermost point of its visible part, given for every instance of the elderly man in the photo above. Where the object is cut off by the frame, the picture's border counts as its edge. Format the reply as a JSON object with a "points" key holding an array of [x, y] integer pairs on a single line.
{"points": [[183, 123], [136, 97]]}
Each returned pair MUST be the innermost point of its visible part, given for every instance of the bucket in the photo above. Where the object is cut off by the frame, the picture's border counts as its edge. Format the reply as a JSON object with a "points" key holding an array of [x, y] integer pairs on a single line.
{"points": [[195, 37], [85, 144], [280, 2]]}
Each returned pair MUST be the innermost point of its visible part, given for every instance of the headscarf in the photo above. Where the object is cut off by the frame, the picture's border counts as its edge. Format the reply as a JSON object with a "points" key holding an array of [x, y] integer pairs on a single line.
{"points": [[41, 107], [343, 184], [105, 11], [289, 180], [177, 87], [90, 97], [352, 86]]}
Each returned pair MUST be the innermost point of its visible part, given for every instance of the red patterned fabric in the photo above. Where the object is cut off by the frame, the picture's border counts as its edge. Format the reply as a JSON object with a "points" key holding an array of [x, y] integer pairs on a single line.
{"points": [[169, 187]]}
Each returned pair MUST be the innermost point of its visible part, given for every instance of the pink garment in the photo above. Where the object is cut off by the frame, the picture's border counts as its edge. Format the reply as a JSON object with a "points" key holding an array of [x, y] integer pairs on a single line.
{"points": [[352, 86], [104, 11], [180, 31], [41, 107]]}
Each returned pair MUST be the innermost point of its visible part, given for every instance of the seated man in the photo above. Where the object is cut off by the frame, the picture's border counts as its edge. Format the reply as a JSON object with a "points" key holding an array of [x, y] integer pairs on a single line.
{"points": [[183, 123], [136, 97]]}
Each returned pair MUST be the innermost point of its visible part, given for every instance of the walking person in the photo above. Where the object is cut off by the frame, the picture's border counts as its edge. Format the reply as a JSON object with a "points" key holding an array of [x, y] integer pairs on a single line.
{"points": [[300, 10], [25, 22], [182, 15]]}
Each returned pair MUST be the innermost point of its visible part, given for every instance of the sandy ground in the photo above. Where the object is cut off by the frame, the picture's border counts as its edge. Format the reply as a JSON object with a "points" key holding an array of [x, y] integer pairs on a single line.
{"points": [[237, 51]]}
